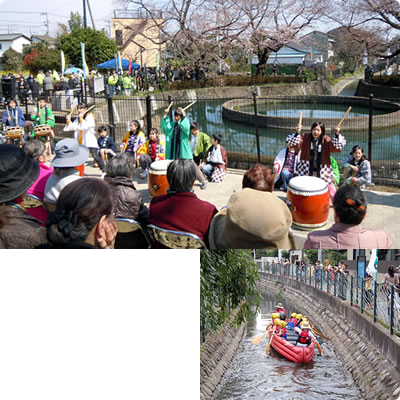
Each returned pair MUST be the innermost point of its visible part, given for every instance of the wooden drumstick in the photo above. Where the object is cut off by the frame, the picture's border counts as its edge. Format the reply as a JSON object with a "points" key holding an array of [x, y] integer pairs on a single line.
{"points": [[72, 111], [301, 118], [344, 116], [90, 109], [190, 105], [169, 107]]}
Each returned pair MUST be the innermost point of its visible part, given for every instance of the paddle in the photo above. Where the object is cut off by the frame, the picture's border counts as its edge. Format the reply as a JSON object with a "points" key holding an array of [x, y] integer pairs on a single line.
{"points": [[318, 347], [269, 344], [257, 339]]}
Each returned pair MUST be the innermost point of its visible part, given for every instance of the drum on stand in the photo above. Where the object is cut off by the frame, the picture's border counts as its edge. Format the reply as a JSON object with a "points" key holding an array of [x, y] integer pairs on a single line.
{"points": [[308, 201], [14, 133], [158, 182], [43, 130]]}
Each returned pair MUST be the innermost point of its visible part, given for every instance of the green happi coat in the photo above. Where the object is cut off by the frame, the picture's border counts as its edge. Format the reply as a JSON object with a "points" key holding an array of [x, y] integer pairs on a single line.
{"points": [[168, 128]]}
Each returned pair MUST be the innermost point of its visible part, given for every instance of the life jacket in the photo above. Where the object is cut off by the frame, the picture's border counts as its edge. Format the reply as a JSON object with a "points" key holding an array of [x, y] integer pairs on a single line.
{"points": [[294, 320], [304, 337], [278, 310]]}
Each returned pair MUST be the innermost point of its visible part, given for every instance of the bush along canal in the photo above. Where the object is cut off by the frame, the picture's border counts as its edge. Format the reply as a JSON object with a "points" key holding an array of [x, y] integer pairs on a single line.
{"points": [[254, 375]]}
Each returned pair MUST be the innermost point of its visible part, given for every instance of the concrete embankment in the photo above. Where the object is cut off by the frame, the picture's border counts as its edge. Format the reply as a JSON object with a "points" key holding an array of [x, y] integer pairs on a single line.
{"points": [[217, 353], [370, 354]]}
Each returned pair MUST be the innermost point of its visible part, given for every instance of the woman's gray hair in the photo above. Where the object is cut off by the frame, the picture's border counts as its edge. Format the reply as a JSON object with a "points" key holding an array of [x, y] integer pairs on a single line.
{"points": [[181, 175], [34, 149], [122, 164]]}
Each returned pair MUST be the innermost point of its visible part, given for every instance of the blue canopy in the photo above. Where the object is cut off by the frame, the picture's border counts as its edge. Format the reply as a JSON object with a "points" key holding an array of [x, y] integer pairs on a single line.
{"points": [[112, 64]]}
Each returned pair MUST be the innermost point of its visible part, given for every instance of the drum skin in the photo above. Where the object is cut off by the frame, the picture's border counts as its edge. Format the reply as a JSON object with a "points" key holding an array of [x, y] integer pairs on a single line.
{"points": [[158, 182], [309, 210]]}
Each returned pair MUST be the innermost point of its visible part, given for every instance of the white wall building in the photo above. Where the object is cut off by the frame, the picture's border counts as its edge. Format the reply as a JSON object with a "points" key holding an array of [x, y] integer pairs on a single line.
{"points": [[16, 41]]}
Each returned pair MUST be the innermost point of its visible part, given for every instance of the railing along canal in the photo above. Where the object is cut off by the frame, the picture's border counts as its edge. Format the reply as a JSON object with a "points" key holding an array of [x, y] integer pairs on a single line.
{"points": [[379, 301]]}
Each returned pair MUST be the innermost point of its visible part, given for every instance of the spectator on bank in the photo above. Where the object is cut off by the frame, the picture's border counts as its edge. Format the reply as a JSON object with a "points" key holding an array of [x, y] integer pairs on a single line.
{"points": [[180, 209], [253, 219], [350, 206], [48, 86], [112, 83], [127, 201], [391, 276], [83, 217], [23, 88], [259, 177], [69, 155], [35, 150], [35, 88], [18, 173]]}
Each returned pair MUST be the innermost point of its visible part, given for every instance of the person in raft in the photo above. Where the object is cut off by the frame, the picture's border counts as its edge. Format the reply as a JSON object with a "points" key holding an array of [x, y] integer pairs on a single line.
{"points": [[285, 165], [177, 135], [292, 321], [305, 334], [280, 308], [283, 330], [315, 152]]}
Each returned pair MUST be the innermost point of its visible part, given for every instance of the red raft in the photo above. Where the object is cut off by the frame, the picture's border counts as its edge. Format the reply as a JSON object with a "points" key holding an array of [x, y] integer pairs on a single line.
{"points": [[287, 348]]}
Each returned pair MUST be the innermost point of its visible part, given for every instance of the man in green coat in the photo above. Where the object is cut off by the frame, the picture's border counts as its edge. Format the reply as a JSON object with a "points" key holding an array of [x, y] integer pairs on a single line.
{"points": [[176, 135]]}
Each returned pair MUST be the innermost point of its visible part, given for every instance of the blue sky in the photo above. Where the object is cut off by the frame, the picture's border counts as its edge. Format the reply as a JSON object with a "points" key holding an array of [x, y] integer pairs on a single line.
{"points": [[23, 16]]}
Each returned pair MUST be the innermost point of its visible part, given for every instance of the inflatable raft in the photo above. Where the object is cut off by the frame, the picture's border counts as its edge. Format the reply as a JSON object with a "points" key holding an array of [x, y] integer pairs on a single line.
{"points": [[289, 350]]}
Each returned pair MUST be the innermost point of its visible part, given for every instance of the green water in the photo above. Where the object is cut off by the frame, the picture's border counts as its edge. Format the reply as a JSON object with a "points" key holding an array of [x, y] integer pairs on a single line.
{"points": [[239, 137]]}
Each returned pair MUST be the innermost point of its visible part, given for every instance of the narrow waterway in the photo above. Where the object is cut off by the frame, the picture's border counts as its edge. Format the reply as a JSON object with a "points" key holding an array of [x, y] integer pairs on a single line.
{"points": [[253, 375], [350, 89]]}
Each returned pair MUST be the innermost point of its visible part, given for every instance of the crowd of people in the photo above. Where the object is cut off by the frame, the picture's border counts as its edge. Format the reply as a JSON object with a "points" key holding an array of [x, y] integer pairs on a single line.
{"points": [[254, 217]]}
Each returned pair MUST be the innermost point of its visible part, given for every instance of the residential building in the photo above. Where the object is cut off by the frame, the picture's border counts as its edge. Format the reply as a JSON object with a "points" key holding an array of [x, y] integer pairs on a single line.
{"points": [[320, 42], [16, 41]]}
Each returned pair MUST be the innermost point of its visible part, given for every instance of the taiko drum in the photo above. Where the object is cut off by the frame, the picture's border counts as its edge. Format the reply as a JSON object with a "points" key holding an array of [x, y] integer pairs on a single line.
{"points": [[158, 182], [308, 201]]}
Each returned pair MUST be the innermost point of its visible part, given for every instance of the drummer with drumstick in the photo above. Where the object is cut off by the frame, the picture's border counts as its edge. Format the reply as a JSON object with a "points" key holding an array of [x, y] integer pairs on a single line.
{"points": [[315, 150], [13, 117], [43, 115]]}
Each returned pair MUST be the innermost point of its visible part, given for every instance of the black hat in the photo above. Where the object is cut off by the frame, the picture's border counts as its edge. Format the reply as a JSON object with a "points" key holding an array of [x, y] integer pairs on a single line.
{"points": [[17, 172]]}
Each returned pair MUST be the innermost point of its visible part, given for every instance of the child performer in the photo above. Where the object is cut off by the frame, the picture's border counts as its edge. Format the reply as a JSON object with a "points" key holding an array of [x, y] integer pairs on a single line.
{"points": [[217, 160], [359, 168], [152, 150], [316, 148], [200, 142], [134, 139], [84, 132], [43, 116], [107, 146]]}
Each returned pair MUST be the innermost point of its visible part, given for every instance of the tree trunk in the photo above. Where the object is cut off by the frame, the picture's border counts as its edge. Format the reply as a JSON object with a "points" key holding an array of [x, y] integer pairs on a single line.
{"points": [[263, 56]]}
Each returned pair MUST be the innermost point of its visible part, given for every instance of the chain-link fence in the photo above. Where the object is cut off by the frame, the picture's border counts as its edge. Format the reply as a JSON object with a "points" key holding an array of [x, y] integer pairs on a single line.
{"points": [[380, 301], [254, 129]]}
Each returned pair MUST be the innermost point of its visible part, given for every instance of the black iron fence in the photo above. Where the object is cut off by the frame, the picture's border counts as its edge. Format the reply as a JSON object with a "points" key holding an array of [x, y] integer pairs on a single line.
{"points": [[380, 301], [254, 129]]}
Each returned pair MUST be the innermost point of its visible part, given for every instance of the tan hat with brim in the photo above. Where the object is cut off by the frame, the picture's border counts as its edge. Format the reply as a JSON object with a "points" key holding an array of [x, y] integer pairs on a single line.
{"points": [[252, 219]]}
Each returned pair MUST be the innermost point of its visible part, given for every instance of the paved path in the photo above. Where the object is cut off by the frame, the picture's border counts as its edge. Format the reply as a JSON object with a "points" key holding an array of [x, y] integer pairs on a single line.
{"points": [[381, 213]]}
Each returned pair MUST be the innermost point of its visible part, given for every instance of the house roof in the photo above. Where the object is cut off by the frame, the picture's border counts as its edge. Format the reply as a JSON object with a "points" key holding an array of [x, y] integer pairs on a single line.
{"points": [[44, 38], [12, 36]]}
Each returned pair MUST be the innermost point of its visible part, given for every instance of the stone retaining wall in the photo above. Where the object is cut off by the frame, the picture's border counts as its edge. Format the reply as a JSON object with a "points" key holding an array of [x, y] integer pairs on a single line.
{"points": [[369, 353], [379, 91], [216, 354]]}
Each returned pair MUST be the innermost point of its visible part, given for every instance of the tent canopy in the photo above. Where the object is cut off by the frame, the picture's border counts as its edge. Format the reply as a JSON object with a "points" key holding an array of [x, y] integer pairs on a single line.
{"points": [[112, 64]]}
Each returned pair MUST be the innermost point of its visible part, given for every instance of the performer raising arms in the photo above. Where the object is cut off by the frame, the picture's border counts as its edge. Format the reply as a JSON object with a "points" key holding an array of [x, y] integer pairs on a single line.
{"points": [[315, 152], [177, 135], [85, 133]]}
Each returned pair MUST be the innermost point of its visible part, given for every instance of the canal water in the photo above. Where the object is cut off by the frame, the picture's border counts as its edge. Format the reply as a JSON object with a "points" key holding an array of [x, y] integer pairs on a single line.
{"points": [[253, 375], [239, 137]]}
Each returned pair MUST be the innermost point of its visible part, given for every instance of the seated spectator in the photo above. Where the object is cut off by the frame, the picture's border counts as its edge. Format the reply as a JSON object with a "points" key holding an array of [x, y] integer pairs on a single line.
{"points": [[259, 178], [69, 155], [285, 165], [216, 160], [35, 150], [350, 207], [128, 202], [83, 217], [253, 219], [358, 167], [18, 173], [180, 209], [152, 150], [107, 146]]}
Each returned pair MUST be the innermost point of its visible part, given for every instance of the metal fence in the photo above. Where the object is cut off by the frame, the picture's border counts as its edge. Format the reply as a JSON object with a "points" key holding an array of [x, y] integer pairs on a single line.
{"points": [[254, 129], [380, 301]]}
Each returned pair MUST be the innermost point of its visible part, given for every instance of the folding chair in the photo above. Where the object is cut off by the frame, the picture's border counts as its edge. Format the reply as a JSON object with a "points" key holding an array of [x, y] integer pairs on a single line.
{"points": [[131, 235], [175, 239]]}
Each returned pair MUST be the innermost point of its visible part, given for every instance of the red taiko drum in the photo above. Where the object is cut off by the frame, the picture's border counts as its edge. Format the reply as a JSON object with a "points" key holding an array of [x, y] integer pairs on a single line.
{"points": [[308, 201], [158, 182]]}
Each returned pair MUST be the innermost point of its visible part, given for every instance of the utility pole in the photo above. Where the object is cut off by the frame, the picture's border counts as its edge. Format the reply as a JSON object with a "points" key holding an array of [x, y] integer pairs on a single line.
{"points": [[84, 14], [90, 13]]}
